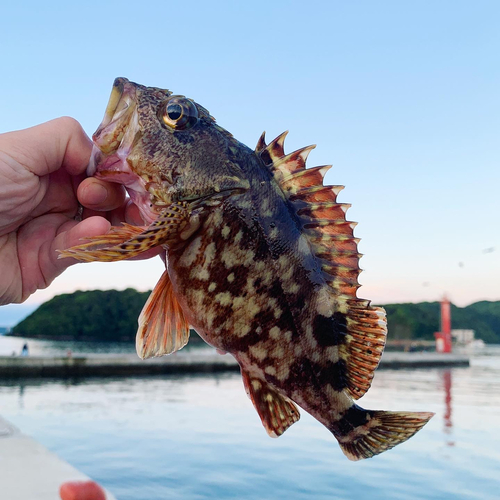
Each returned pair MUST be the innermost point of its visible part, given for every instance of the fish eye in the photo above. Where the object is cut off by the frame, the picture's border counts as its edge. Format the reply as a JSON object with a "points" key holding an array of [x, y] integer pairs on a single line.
{"points": [[179, 113]]}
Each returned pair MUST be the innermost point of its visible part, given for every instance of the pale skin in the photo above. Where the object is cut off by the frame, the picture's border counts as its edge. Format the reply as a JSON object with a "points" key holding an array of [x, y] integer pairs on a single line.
{"points": [[42, 185]]}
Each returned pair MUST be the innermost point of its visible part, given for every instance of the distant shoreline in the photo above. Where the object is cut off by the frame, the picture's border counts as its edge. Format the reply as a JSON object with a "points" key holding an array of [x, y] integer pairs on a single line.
{"points": [[111, 315]]}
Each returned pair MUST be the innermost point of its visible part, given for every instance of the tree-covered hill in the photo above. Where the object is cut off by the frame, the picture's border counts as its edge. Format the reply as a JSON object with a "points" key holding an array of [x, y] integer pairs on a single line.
{"points": [[112, 315], [95, 315], [420, 321]]}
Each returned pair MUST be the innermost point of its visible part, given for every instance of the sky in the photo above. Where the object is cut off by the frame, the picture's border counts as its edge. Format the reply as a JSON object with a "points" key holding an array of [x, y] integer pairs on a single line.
{"points": [[402, 98]]}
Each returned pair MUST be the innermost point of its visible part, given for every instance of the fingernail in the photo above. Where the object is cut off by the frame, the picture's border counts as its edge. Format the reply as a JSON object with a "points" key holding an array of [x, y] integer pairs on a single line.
{"points": [[99, 194]]}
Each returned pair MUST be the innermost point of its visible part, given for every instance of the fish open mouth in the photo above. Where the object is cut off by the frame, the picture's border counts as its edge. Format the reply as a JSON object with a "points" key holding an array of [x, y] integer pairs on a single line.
{"points": [[114, 137], [115, 100], [113, 142]]}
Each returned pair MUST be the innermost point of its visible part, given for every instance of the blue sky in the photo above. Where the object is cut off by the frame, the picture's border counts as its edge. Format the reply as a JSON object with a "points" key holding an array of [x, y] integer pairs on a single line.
{"points": [[401, 97]]}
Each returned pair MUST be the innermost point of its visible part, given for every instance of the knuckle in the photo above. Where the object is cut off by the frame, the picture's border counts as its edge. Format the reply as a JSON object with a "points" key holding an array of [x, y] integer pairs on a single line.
{"points": [[69, 123]]}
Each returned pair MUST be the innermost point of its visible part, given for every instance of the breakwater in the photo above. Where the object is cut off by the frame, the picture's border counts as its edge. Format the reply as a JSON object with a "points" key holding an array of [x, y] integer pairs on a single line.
{"points": [[102, 365]]}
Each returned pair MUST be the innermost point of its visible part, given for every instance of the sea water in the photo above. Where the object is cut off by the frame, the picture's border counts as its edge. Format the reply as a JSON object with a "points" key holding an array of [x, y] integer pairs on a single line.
{"points": [[198, 437]]}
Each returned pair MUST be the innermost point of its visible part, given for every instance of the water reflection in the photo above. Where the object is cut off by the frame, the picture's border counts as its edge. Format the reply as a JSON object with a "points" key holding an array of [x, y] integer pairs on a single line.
{"points": [[198, 437], [448, 406], [21, 396]]}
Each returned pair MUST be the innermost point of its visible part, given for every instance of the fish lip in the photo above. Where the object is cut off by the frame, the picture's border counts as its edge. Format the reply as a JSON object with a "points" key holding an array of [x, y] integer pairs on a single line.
{"points": [[114, 99], [112, 168], [120, 87], [120, 108], [114, 140], [117, 132]]}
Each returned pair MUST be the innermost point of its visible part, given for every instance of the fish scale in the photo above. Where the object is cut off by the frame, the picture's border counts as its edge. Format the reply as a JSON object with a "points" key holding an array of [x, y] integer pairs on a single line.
{"points": [[261, 262]]}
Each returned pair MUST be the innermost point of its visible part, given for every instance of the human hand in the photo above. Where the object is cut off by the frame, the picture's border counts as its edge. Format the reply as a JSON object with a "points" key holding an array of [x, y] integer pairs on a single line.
{"points": [[42, 181]]}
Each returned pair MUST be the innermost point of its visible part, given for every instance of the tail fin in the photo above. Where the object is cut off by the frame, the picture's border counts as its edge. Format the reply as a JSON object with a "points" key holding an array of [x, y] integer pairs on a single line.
{"points": [[382, 431]]}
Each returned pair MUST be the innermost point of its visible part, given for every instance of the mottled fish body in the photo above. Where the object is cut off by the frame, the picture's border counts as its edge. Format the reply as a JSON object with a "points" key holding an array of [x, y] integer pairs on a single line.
{"points": [[261, 261]]}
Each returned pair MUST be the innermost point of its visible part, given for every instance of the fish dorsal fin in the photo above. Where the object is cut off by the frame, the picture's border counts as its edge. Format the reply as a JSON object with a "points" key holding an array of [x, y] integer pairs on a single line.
{"points": [[272, 152], [363, 346], [163, 328], [331, 238], [323, 219]]}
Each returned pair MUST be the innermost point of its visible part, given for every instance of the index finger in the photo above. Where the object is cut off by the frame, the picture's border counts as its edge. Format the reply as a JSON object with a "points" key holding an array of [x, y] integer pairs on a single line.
{"points": [[59, 143]]}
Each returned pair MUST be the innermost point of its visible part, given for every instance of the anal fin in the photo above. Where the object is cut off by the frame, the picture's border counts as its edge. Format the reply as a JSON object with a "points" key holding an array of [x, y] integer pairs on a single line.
{"points": [[277, 412], [163, 328]]}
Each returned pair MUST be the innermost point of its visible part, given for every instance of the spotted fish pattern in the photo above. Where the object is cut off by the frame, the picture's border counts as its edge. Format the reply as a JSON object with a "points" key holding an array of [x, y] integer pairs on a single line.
{"points": [[261, 262]]}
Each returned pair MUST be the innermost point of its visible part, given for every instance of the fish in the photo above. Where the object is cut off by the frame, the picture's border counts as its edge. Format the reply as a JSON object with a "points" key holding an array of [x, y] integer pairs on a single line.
{"points": [[260, 260]]}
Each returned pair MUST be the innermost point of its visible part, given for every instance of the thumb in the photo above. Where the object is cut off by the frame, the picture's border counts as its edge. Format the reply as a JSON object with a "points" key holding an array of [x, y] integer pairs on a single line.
{"points": [[47, 147]]}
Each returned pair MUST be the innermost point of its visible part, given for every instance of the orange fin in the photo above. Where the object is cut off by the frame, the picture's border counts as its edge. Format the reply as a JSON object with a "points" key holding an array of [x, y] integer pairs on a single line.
{"points": [[324, 222], [163, 328], [293, 163], [363, 346], [128, 241], [261, 143], [277, 412], [317, 193], [272, 152], [382, 431], [331, 238]]}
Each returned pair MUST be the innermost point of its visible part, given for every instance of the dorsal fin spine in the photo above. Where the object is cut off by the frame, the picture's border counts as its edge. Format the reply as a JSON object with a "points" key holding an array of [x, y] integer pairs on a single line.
{"points": [[261, 143], [324, 239], [331, 238], [317, 193], [312, 206], [295, 161], [323, 169], [275, 147], [321, 222]]}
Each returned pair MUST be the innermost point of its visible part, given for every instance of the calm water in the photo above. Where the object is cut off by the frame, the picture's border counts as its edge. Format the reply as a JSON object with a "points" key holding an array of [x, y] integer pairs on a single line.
{"points": [[13, 345], [198, 437]]}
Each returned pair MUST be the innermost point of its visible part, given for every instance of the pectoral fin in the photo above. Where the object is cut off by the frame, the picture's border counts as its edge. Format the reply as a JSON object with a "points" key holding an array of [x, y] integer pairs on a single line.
{"points": [[129, 241], [277, 412], [162, 326]]}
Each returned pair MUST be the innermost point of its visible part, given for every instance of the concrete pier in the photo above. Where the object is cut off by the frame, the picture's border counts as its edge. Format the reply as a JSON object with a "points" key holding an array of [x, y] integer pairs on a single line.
{"points": [[397, 360], [28, 471], [182, 362]]}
